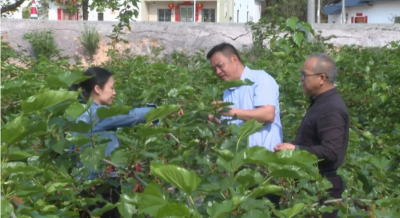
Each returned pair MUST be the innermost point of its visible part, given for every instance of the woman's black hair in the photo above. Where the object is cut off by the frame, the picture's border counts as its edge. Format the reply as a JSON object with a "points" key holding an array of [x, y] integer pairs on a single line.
{"points": [[99, 76]]}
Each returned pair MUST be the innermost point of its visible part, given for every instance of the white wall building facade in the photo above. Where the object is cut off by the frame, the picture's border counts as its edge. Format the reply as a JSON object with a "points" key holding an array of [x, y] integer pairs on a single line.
{"points": [[374, 12], [246, 10], [224, 11]]}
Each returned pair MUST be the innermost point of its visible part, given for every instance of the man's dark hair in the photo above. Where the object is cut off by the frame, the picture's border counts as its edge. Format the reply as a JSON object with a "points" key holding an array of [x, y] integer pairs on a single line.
{"points": [[226, 49]]}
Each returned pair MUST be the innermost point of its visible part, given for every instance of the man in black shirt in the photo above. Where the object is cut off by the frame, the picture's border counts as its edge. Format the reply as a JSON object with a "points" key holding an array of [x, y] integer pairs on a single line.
{"points": [[324, 130]]}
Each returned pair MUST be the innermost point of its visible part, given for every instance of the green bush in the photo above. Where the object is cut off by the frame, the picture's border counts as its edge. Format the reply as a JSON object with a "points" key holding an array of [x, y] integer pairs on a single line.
{"points": [[90, 38], [200, 174], [26, 12], [42, 42]]}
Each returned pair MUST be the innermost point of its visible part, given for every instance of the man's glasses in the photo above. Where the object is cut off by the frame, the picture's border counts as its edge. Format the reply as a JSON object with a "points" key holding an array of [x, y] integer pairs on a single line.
{"points": [[303, 75]]}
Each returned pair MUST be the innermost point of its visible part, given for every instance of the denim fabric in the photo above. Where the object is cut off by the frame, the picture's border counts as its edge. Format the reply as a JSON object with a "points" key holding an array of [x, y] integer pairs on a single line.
{"points": [[105, 129]]}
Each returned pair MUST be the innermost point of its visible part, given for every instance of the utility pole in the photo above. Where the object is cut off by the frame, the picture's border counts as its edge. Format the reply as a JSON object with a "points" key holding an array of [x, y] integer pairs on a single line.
{"points": [[319, 12], [311, 12], [310, 17], [343, 11], [194, 11]]}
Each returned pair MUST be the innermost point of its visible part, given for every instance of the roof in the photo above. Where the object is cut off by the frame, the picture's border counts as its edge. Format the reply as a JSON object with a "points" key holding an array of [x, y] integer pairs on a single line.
{"points": [[335, 6]]}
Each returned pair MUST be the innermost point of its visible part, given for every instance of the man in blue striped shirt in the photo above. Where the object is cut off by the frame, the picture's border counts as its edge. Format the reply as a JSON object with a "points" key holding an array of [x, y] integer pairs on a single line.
{"points": [[259, 101]]}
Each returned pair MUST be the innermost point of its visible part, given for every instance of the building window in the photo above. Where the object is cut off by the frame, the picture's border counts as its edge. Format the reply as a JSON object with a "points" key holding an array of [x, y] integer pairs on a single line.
{"points": [[100, 16], [164, 15], [208, 15], [396, 19]]}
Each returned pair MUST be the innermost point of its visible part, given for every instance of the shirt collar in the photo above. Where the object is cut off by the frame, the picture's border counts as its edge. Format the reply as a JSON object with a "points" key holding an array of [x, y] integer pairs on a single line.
{"points": [[245, 75], [323, 95]]}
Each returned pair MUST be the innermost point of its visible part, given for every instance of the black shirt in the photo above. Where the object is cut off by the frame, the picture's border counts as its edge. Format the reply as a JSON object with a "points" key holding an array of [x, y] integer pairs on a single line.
{"points": [[324, 130]]}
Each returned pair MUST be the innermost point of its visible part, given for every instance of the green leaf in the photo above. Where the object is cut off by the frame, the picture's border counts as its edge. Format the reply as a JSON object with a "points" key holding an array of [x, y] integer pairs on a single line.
{"points": [[291, 212], [298, 38], [100, 211], [59, 145], [160, 112], [18, 155], [19, 131], [120, 157], [292, 23], [126, 206], [253, 214], [80, 127], [367, 186], [381, 162], [236, 83], [91, 157], [248, 177], [66, 79], [266, 189], [388, 202], [287, 173], [105, 112], [6, 208], [185, 180], [47, 99], [248, 128], [159, 67], [308, 28], [49, 208], [225, 154], [78, 140], [260, 155], [220, 209], [76, 109], [368, 135], [151, 200], [173, 210], [24, 191], [147, 131], [19, 169], [53, 187], [353, 137]]}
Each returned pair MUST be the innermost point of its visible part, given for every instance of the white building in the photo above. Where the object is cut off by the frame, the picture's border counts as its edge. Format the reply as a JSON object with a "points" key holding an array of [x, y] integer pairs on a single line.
{"points": [[224, 11], [246, 10], [365, 11]]}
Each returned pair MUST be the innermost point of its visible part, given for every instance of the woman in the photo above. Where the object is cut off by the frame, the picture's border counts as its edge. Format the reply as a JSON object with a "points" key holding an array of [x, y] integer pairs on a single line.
{"points": [[100, 88]]}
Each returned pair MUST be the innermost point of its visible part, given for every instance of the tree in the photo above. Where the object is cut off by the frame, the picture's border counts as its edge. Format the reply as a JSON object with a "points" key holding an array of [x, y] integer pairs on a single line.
{"points": [[289, 8], [7, 5]]}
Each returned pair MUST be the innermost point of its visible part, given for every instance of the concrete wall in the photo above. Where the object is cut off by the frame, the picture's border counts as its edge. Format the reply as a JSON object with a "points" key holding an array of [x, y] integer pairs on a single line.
{"points": [[143, 37], [366, 35], [186, 37], [377, 13]]}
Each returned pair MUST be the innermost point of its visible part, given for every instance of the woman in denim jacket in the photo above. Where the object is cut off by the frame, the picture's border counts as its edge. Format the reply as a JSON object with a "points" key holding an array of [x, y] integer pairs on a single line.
{"points": [[100, 88]]}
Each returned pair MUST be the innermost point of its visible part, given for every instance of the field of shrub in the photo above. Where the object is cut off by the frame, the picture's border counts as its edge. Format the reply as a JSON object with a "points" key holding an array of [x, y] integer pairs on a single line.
{"points": [[187, 166]]}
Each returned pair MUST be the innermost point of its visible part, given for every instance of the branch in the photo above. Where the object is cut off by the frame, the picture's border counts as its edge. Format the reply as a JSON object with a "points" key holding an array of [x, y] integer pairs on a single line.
{"points": [[341, 200], [117, 166], [12, 7]]}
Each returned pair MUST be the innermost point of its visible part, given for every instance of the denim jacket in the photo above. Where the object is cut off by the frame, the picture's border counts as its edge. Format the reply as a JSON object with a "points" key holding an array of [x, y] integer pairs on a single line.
{"points": [[107, 127]]}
